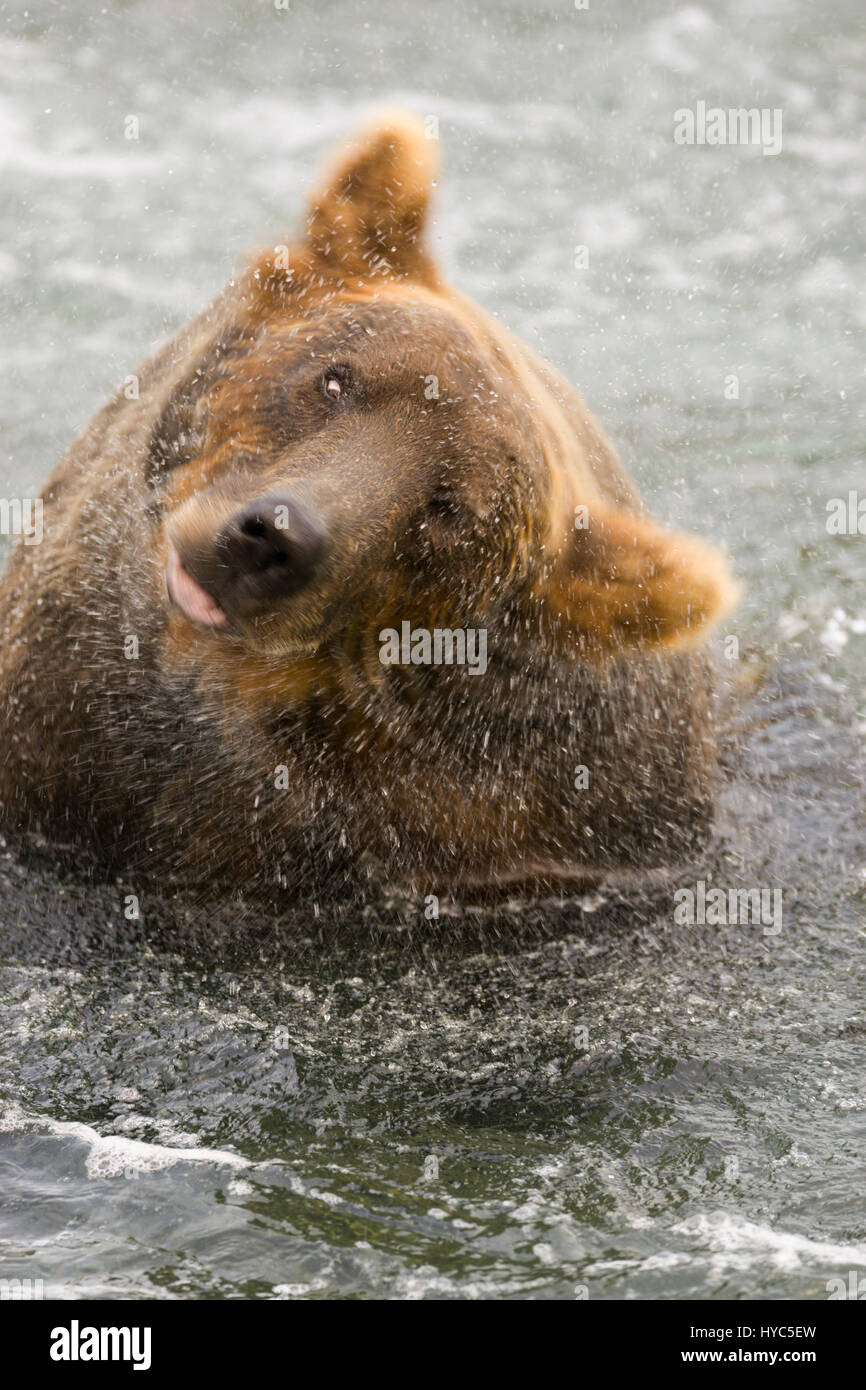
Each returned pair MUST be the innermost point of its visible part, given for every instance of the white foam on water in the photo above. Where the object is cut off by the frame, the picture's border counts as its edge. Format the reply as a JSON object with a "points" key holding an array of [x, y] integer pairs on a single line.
{"points": [[731, 1243], [239, 1187], [287, 1291], [114, 1155], [738, 1243]]}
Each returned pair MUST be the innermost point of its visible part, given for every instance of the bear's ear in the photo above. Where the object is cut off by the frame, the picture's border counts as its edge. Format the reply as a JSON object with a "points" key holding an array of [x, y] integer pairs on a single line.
{"points": [[621, 582], [368, 216]]}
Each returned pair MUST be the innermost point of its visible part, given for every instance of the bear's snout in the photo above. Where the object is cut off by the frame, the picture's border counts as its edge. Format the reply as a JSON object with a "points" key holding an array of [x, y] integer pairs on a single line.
{"points": [[270, 549]]}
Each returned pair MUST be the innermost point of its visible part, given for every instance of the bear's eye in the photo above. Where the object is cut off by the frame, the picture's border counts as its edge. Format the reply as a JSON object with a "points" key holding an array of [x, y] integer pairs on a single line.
{"points": [[335, 383]]}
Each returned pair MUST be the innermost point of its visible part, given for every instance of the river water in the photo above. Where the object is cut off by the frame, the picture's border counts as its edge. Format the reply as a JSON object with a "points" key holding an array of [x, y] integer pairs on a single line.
{"points": [[557, 1099]]}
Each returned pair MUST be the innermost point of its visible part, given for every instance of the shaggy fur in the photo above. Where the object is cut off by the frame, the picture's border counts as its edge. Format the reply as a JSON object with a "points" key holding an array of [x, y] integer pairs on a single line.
{"points": [[448, 479]]}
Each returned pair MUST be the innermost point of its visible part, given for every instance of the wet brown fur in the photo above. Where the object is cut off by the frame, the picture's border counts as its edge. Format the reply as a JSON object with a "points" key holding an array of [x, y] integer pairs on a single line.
{"points": [[447, 510]]}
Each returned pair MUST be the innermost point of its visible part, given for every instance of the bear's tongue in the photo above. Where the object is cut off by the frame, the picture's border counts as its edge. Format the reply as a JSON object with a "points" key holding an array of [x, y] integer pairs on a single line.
{"points": [[189, 596]]}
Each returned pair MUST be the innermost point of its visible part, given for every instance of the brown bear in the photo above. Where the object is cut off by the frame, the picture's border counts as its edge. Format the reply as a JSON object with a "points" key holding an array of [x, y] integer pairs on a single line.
{"points": [[356, 586]]}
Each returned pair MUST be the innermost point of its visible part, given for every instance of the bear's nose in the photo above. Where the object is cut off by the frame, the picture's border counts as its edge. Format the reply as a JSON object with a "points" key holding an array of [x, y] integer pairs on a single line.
{"points": [[271, 547]]}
